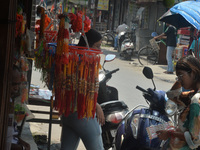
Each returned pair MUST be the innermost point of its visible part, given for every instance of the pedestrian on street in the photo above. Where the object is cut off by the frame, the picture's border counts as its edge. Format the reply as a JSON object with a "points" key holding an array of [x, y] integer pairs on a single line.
{"points": [[121, 28], [170, 34], [186, 136], [88, 130]]}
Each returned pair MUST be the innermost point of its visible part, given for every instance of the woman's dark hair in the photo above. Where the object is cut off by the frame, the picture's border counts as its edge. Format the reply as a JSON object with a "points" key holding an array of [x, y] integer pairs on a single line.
{"points": [[189, 64], [92, 35]]}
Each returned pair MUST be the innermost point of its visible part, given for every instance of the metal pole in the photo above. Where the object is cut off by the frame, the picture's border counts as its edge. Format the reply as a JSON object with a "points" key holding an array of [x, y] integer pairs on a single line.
{"points": [[95, 13], [50, 123], [55, 11]]}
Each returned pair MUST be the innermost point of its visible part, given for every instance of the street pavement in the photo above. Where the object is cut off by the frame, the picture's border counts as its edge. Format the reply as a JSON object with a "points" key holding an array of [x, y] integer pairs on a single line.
{"points": [[157, 71]]}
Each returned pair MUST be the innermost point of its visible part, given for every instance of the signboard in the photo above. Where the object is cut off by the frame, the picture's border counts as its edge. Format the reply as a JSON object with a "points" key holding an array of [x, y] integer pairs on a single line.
{"points": [[79, 2], [103, 5]]}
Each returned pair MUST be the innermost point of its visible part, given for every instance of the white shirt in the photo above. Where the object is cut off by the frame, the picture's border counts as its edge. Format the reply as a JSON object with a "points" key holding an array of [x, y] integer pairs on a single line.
{"points": [[122, 28]]}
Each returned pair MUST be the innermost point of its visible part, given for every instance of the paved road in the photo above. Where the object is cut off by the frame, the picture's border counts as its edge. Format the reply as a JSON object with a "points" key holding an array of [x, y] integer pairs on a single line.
{"points": [[125, 81]]}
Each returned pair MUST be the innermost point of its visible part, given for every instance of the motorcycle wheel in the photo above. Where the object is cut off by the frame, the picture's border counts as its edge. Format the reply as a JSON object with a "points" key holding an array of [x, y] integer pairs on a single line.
{"points": [[147, 56], [125, 55], [108, 40]]}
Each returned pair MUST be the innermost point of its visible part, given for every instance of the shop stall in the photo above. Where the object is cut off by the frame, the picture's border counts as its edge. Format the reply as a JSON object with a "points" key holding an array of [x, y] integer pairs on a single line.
{"points": [[183, 41], [69, 72], [16, 37], [186, 20]]}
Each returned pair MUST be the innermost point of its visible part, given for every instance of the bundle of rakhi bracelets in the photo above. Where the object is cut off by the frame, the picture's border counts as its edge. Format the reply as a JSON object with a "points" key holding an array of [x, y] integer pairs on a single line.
{"points": [[71, 72], [76, 82], [76, 75]]}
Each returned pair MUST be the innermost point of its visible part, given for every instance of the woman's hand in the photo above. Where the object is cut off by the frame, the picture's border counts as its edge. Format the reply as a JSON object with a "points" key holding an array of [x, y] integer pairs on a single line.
{"points": [[100, 115], [163, 134]]}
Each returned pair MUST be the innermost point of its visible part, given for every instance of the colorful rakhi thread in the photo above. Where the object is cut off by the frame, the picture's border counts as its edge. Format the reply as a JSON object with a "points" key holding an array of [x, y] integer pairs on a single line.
{"points": [[80, 85], [71, 71], [76, 21]]}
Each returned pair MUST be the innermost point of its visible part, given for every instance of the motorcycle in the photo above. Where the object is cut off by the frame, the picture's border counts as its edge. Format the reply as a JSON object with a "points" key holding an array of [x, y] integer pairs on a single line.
{"points": [[121, 38], [114, 109], [106, 93], [138, 129], [108, 38], [127, 44], [127, 48]]}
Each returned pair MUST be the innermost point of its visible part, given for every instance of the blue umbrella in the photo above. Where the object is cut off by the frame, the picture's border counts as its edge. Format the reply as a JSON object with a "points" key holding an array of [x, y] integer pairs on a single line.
{"points": [[183, 14]]}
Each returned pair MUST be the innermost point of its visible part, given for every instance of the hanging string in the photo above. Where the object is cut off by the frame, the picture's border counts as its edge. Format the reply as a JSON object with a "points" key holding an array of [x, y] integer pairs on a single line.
{"points": [[83, 32], [65, 7]]}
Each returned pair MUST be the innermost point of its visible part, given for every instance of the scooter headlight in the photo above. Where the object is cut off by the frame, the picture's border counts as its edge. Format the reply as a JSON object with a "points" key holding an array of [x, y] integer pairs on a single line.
{"points": [[116, 117], [101, 76], [134, 125], [170, 107]]}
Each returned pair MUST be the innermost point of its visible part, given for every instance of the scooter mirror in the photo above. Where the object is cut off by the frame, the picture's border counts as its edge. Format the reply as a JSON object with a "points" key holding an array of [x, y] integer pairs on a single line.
{"points": [[148, 73], [110, 57]]}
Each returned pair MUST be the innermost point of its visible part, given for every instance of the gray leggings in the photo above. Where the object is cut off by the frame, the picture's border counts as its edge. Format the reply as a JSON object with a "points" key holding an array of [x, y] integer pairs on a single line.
{"points": [[88, 130]]}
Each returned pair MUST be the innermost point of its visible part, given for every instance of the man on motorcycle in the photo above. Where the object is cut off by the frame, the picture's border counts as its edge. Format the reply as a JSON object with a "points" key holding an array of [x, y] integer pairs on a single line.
{"points": [[121, 28]]}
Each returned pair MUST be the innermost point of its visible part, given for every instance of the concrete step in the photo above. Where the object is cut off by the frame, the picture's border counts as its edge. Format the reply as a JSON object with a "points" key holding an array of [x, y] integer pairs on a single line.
{"points": [[27, 136]]}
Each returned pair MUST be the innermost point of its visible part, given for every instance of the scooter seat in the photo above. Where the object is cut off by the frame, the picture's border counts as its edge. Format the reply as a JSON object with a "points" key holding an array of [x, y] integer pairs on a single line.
{"points": [[113, 105]]}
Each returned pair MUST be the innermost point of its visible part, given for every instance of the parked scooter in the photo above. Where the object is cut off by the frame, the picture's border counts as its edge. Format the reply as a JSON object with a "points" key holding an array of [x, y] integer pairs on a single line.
{"points": [[114, 109], [127, 48], [121, 37], [128, 44], [138, 129], [107, 93]]}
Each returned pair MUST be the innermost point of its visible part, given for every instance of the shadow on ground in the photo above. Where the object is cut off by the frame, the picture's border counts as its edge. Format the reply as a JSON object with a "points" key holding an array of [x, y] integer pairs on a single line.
{"points": [[42, 143]]}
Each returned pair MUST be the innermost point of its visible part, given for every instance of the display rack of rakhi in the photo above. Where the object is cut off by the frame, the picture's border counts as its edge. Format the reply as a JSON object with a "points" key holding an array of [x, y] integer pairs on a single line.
{"points": [[71, 72], [73, 79], [76, 86], [76, 71]]}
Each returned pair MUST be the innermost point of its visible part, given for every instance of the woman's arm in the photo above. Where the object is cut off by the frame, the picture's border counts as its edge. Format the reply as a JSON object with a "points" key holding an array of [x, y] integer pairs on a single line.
{"points": [[100, 115]]}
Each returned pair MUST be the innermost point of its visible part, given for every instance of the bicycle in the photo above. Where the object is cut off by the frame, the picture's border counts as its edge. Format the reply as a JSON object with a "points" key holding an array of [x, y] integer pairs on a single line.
{"points": [[148, 55], [108, 38]]}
